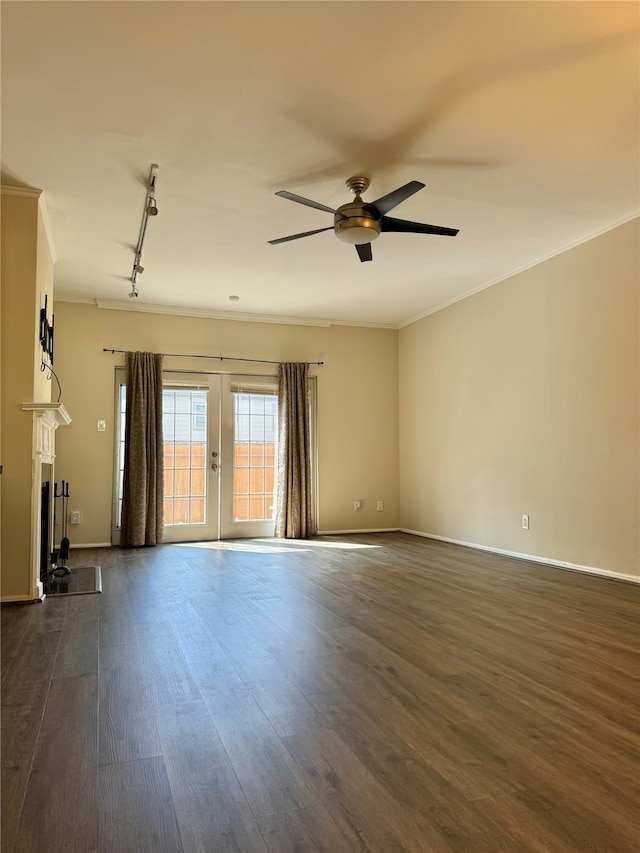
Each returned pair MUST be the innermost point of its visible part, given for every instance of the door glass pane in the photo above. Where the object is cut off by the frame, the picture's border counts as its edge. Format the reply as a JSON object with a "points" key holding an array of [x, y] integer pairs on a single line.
{"points": [[255, 436], [122, 411], [184, 425]]}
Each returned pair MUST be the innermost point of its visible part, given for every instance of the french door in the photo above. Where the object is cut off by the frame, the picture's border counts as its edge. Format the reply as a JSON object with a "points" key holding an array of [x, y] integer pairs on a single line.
{"points": [[220, 455], [190, 426], [249, 442]]}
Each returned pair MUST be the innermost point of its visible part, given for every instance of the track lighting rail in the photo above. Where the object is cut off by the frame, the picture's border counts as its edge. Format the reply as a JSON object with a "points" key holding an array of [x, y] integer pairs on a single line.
{"points": [[150, 209]]}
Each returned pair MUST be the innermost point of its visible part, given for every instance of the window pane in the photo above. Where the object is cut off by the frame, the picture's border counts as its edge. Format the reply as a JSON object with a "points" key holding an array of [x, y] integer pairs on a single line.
{"points": [[255, 436], [185, 455]]}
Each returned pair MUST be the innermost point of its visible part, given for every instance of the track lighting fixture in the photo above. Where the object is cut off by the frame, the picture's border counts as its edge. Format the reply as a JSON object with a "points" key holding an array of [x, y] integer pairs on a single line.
{"points": [[137, 267], [150, 209]]}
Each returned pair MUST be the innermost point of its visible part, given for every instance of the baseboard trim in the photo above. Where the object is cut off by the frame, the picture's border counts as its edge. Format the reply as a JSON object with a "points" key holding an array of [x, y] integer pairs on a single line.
{"points": [[90, 545], [531, 558], [18, 599], [364, 530]]}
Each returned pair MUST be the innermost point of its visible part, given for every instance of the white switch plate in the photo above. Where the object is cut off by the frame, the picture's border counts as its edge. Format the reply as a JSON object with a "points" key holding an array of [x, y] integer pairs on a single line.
{"points": [[525, 522], [102, 426]]}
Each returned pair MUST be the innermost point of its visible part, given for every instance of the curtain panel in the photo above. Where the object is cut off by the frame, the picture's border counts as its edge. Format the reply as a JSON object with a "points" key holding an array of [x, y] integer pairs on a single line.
{"points": [[294, 517], [143, 488]]}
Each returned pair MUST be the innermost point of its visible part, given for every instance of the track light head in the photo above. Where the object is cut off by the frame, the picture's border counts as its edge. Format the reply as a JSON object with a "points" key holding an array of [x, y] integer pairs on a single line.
{"points": [[134, 292], [152, 209]]}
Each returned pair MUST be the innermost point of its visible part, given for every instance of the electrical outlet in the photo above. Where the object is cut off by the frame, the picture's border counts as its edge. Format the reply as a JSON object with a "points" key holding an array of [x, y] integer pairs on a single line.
{"points": [[357, 505], [525, 522], [380, 506], [75, 517]]}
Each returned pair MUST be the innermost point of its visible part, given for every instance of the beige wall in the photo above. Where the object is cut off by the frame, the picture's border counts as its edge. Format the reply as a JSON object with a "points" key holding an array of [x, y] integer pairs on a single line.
{"points": [[524, 399], [27, 275], [357, 403]]}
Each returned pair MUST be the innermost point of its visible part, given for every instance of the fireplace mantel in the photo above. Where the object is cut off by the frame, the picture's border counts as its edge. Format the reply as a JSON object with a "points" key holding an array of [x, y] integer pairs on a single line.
{"points": [[55, 412], [47, 417]]}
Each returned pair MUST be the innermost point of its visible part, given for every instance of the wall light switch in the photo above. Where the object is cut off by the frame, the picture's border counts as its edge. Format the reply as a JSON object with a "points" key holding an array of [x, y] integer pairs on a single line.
{"points": [[102, 426]]}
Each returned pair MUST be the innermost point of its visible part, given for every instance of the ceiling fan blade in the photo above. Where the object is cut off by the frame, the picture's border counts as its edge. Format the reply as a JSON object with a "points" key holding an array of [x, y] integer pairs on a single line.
{"points": [[387, 202], [298, 236], [364, 252], [306, 201], [388, 223]]}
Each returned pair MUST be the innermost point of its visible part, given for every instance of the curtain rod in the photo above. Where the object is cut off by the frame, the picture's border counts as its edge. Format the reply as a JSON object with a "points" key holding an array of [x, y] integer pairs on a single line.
{"points": [[219, 357]]}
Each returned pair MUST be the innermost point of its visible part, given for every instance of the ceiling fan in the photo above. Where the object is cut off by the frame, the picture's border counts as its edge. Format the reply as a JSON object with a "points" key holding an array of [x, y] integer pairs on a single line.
{"points": [[359, 222]]}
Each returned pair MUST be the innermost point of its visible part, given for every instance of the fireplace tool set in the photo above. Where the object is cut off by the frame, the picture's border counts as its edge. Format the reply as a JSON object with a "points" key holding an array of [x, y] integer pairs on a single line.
{"points": [[59, 557]]}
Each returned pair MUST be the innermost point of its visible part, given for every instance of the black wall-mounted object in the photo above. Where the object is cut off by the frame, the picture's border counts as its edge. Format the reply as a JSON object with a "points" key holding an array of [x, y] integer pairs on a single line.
{"points": [[46, 332]]}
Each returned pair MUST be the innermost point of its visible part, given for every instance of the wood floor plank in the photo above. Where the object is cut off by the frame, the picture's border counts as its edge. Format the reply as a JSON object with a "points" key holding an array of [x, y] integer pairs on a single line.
{"points": [[230, 702], [126, 727], [309, 830], [77, 652], [270, 779], [26, 679], [335, 774], [116, 622], [136, 809], [288, 710], [20, 728], [14, 627], [411, 779], [61, 799], [212, 811]]}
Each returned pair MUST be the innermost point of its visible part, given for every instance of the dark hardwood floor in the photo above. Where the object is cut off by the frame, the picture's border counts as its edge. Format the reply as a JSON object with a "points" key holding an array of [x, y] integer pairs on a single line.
{"points": [[363, 693]]}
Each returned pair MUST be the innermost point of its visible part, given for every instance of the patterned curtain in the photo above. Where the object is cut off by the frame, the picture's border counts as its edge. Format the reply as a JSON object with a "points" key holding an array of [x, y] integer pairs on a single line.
{"points": [[143, 489], [294, 519]]}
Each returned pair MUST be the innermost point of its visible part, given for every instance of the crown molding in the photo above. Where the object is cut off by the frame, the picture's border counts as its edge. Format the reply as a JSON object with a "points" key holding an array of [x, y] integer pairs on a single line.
{"points": [[174, 310], [148, 308], [23, 192]]}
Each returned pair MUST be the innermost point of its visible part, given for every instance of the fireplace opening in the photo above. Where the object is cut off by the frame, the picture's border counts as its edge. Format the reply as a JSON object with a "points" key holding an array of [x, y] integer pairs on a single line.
{"points": [[46, 526]]}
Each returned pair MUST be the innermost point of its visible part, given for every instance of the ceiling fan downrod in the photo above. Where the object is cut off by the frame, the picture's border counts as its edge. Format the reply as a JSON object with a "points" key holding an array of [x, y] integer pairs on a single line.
{"points": [[358, 184]]}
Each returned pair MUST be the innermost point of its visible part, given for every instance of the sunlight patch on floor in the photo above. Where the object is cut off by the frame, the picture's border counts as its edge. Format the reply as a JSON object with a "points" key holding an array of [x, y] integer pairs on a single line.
{"points": [[271, 546], [316, 543]]}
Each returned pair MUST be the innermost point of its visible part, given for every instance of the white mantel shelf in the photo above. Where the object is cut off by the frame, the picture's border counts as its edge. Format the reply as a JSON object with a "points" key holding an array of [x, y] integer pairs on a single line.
{"points": [[57, 410]]}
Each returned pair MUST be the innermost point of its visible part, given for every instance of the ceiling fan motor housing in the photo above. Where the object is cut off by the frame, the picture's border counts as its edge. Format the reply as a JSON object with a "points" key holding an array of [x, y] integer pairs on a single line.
{"points": [[354, 224]]}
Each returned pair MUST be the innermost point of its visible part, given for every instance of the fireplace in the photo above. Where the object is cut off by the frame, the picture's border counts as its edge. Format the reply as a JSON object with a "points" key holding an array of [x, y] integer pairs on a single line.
{"points": [[47, 417]]}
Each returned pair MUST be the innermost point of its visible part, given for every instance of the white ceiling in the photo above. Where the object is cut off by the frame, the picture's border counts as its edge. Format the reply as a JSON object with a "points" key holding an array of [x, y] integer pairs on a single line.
{"points": [[521, 118]]}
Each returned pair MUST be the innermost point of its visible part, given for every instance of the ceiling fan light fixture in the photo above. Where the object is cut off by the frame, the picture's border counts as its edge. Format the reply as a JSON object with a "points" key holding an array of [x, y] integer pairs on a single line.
{"points": [[356, 230]]}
